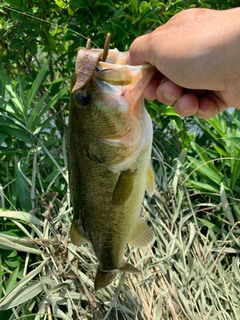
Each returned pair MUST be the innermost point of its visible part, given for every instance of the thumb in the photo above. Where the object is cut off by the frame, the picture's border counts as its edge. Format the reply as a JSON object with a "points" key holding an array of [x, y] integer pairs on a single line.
{"points": [[139, 51]]}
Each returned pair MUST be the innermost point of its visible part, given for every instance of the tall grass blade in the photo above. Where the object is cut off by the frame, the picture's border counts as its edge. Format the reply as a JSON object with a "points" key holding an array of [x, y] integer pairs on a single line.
{"points": [[36, 84], [24, 290]]}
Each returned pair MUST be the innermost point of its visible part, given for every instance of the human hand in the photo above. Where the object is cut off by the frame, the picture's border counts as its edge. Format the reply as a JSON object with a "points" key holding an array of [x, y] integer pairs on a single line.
{"points": [[197, 56]]}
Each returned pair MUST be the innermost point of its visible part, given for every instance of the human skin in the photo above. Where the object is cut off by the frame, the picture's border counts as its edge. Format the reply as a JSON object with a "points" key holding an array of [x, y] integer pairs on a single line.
{"points": [[197, 56]]}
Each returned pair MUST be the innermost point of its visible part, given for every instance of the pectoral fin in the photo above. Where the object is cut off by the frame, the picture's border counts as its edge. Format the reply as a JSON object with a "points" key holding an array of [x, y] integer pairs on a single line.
{"points": [[150, 181], [142, 235], [124, 186], [94, 154], [75, 234]]}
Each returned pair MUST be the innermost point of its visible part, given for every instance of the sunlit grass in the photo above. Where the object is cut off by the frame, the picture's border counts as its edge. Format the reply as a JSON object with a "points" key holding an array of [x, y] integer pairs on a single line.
{"points": [[190, 272]]}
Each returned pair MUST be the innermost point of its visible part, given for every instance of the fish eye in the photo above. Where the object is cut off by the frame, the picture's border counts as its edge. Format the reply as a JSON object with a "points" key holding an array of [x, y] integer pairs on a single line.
{"points": [[82, 100]]}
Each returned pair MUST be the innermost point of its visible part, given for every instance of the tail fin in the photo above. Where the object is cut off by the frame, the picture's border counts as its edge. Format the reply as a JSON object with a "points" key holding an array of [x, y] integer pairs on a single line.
{"points": [[104, 278]]}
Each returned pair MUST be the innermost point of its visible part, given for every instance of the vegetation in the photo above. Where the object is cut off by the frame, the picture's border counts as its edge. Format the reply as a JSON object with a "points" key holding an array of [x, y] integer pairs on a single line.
{"points": [[192, 270]]}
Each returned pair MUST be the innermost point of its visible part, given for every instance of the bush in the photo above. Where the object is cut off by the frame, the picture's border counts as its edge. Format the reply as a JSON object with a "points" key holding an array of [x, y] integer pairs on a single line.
{"points": [[192, 271]]}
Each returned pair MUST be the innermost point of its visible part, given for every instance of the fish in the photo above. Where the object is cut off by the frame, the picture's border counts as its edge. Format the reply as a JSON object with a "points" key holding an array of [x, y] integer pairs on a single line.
{"points": [[109, 145]]}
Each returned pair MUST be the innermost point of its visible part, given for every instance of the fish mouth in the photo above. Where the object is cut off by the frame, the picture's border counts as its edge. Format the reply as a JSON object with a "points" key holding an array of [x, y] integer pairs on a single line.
{"points": [[114, 72], [116, 77], [121, 86]]}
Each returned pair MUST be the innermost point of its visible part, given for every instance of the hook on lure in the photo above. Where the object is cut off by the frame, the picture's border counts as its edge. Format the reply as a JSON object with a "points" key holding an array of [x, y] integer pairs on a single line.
{"points": [[86, 63], [104, 54], [106, 48]]}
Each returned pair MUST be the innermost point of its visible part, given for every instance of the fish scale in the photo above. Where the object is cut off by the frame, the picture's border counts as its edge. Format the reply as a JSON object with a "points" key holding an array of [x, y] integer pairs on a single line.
{"points": [[110, 140]]}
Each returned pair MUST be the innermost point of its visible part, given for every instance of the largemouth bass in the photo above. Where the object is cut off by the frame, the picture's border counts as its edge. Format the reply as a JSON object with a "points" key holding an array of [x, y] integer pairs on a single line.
{"points": [[110, 140]]}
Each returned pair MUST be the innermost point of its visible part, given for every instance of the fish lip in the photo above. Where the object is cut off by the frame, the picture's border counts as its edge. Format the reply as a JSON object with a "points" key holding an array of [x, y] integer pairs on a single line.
{"points": [[104, 65]]}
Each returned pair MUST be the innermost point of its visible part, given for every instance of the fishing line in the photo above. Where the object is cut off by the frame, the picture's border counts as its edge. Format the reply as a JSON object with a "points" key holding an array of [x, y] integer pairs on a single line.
{"points": [[51, 23]]}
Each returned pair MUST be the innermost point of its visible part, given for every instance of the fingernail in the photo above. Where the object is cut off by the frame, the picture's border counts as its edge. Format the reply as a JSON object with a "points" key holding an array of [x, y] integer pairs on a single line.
{"points": [[185, 110], [169, 97], [200, 112], [182, 107]]}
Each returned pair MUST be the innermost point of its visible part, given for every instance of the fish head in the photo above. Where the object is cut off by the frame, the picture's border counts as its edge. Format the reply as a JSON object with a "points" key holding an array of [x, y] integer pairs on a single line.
{"points": [[107, 107]]}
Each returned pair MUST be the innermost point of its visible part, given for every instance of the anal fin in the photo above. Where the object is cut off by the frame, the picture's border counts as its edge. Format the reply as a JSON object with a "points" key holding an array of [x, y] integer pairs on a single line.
{"points": [[75, 234], [142, 235]]}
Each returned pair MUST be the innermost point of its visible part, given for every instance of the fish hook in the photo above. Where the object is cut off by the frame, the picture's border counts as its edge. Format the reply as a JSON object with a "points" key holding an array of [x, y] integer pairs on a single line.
{"points": [[106, 48], [88, 45]]}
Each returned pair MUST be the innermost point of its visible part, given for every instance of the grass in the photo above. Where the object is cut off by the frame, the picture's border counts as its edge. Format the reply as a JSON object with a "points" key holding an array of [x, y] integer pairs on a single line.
{"points": [[191, 271]]}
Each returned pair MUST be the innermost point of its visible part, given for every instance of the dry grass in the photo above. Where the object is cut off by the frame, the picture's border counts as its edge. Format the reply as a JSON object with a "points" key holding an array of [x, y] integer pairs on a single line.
{"points": [[189, 273]]}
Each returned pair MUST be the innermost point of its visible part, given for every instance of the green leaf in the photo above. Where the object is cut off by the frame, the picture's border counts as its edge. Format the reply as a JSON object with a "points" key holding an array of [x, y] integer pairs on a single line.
{"points": [[13, 243], [144, 6], [24, 290], [18, 105], [206, 172], [15, 131], [36, 84], [201, 186], [54, 100], [21, 294], [19, 215], [218, 123], [134, 4], [12, 280], [2, 137], [16, 43], [207, 223], [1, 279], [164, 110], [61, 4], [14, 3], [22, 189], [177, 123], [225, 205], [10, 257], [205, 159], [220, 151], [118, 26], [34, 116], [78, 3], [235, 169]]}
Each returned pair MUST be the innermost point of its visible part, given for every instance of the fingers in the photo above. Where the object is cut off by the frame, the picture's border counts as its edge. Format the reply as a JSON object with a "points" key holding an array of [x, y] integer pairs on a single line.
{"points": [[202, 103], [210, 105], [168, 92], [187, 105], [204, 107], [150, 91]]}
